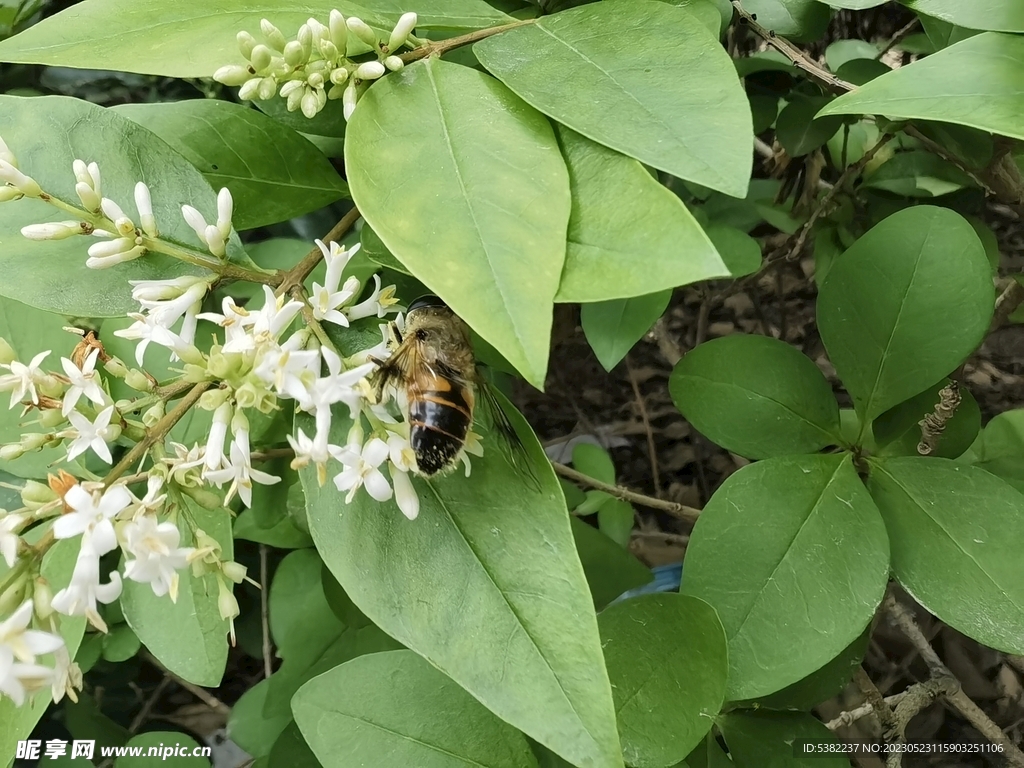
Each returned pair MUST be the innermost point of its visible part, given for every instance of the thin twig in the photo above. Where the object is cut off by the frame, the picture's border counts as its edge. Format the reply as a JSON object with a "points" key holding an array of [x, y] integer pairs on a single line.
{"points": [[850, 717], [897, 38], [268, 661], [297, 275], [652, 450], [679, 539], [1007, 303], [148, 705], [442, 47], [205, 696], [680, 511]]}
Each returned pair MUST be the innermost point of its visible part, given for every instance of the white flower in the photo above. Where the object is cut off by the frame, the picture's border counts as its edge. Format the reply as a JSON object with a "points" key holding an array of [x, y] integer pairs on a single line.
{"points": [[240, 472], [274, 317], [110, 253], [67, 676], [329, 297], [225, 207], [214, 451], [378, 303], [24, 643], [92, 434], [10, 524], [317, 451], [338, 386], [167, 301], [158, 558], [22, 379], [27, 186], [400, 452], [473, 445], [405, 492], [17, 679], [361, 469], [185, 460], [91, 515], [149, 328], [80, 596], [144, 204], [84, 381], [153, 501]]}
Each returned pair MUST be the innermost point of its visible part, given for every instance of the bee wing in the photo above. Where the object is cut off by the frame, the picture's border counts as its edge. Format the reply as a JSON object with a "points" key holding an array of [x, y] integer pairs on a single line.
{"points": [[396, 368], [507, 434]]}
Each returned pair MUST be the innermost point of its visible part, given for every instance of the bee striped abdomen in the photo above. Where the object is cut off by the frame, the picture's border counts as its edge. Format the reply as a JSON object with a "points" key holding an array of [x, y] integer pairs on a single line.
{"points": [[439, 421]]}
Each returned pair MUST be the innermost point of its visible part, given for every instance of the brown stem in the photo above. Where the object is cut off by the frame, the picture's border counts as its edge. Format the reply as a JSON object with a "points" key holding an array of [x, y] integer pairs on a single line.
{"points": [[901, 33], [297, 275], [441, 47], [204, 696], [681, 511]]}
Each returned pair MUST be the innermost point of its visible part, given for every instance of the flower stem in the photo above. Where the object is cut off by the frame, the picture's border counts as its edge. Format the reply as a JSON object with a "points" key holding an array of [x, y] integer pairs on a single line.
{"points": [[223, 268], [441, 47], [286, 280]]}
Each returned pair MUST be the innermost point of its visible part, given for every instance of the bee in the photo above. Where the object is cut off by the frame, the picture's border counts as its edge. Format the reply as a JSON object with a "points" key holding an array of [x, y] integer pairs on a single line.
{"points": [[433, 363]]}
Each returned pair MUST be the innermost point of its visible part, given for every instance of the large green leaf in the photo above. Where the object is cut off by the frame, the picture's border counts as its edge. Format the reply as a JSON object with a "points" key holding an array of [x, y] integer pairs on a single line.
{"points": [[815, 562], [249, 727], [193, 38], [977, 82], [188, 636], [396, 709], [898, 430], [47, 134], [665, 697], [300, 618], [997, 15], [964, 568], [628, 235], [485, 584], [777, 739], [800, 20], [609, 568], [274, 173], [905, 305], [642, 77], [613, 327], [1001, 448], [16, 723], [483, 225], [756, 396]]}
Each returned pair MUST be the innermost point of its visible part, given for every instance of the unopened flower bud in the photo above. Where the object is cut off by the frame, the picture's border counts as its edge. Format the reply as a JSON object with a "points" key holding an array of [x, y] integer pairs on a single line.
{"points": [[11, 451], [348, 99], [6, 155], [275, 39], [305, 40], [55, 230], [118, 257], [33, 441], [226, 602], [195, 220], [212, 399], [50, 418], [88, 196], [8, 193], [370, 70], [81, 170], [315, 80], [339, 30], [153, 415], [239, 421], [225, 210], [249, 89], [215, 240], [42, 599], [94, 172], [320, 31], [144, 203], [339, 76], [360, 29], [111, 247], [294, 55], [27, 186], [321, 98], [247, 395], [394, 63], [329, 50], [111, 210], [266, 89], [261, 57], [7, 353], [294, 98], [138, 381], [290, 87], [116, 367], [309, 104], [246, 43], [232, 74], [125, 227], [36, 494], [234, 571], [401, 32]]}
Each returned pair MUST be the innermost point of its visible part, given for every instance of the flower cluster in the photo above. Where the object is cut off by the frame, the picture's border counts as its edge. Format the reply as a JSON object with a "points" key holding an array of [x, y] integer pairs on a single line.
{"points": [[315, 67]]}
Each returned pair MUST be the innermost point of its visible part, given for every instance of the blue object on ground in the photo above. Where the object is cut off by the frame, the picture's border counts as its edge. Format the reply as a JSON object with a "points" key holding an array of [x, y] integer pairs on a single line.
{"points": [[667, 578]]}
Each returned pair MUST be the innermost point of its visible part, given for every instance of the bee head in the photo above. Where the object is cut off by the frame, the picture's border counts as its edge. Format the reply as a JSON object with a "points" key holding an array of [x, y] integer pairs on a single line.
{"points": [[429, 300]]}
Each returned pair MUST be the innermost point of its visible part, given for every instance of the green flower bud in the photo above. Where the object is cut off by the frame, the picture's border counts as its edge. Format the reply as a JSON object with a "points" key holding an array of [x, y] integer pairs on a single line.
{"points": [[212, 399], [309, 104], [339, 75], [138, 381], [275, 39], [315, 80], [204, 497], [290, 87], [320, 31], [36, 494], [248, 90], [305, 39], [14, 595], [33, 441], [8, 193], [239, 421], [262, 57], [248, 395], [234, 571], [320, 66], [329, 50], [116, 367], [349, 98], [88, 196], [50, 418], [294, 56], [339, 31], [246, 43], [402, 30], [394, 63], [370, 70], [266, 89], [233, 75], [11, 451], [336, 92], [360, 29], [321, 98], [226, 602], [294, 99], [153, 415], [7, 354], [42, 599]]}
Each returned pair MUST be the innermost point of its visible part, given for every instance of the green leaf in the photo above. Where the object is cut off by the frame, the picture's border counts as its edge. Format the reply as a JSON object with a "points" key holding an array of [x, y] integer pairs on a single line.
{"points": [[167, 740], [31, 331], [329, 122], [664, 699], [613, 327], [291, 750], [772, 740], [813, 550], [977, 82], [916, 287], [191, 38], [740, 252], [997, 15], [798, 131], [660, 89], [713, 14], [126, 153], [842, 51], [898, 431], [375, 250], [942, 34], [800, 20], [301, 621], [610, 569], [283, 534], [120, 644], [919, 173], [498, 184], [396, 708], [249, 728], [764, 109], [594, 461], [964, 568], [1002, 447], [756, 396], [855, 5], [615, 520], [274, 174], [187, 636], [16, 723], [628, 234], [486, 585]]}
